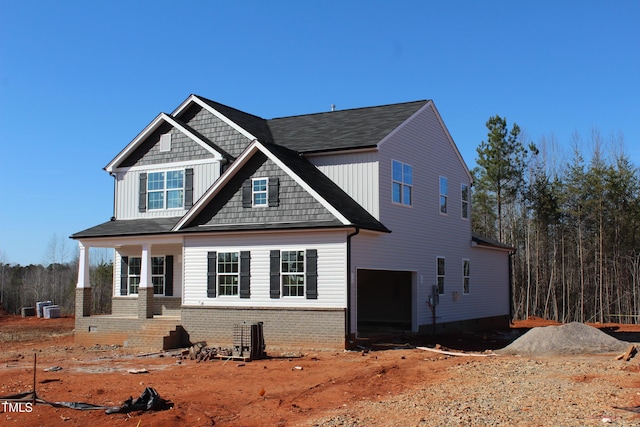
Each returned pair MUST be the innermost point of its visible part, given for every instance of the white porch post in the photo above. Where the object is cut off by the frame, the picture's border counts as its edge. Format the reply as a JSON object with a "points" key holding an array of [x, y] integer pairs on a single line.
{"points": [[83, 287], [145, 289], [145, 273]]}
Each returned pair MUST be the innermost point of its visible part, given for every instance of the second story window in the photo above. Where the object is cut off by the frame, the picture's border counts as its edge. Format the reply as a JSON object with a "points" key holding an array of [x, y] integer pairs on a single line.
{"points": [[165, 190], [259, 191], [464, 188], [402, 183], [444, 195]]}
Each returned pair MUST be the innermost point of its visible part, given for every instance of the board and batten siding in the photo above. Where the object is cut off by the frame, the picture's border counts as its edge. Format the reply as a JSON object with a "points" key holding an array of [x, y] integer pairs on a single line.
{"points": [[331, 247], [128, 187], [356, 173], [420, 233]]}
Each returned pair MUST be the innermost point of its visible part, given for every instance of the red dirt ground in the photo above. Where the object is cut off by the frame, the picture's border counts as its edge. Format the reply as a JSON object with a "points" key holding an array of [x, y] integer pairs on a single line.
{"points": [[282, 390]]}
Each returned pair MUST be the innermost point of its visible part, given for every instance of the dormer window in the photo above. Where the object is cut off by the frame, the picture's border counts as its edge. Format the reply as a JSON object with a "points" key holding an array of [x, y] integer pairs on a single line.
{"points": [[259, 191], [165, 190]]}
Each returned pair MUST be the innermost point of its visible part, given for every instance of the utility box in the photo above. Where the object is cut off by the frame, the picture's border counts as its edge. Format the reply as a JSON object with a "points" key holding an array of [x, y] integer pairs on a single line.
{"points": [[51, 312], [28, 311], [40, 307], [248, 341]]}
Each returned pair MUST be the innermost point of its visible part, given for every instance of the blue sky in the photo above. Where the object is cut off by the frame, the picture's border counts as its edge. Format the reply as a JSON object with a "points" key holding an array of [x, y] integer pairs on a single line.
{"points": [[79, 80]]}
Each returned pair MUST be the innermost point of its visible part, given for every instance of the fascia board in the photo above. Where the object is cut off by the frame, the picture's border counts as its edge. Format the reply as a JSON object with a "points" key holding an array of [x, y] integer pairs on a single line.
{"points": [[430, 104], [222, 117], [162, 117], [134, 143], [450, 138]]}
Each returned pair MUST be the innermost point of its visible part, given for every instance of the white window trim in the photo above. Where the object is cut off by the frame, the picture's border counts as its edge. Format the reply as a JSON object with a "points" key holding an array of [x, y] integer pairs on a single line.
{"points": [[466, 277], [463, 201], [163, 275], [441, 195], [402, 185], [265, 192], [218, 274], [165, 190], [438, 275], [302, 273]]}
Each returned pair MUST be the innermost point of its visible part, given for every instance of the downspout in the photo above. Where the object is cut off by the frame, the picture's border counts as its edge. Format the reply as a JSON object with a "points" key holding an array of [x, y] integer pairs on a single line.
{"points": [[113, 175], [348, 341]]}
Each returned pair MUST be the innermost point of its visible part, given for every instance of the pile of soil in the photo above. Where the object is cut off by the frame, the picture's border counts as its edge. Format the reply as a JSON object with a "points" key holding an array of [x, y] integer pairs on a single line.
{"points": [[571, 338]]}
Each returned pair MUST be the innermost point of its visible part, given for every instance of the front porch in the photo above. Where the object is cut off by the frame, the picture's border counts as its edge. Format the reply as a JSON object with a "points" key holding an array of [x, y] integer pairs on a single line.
{"points": [[145, 314], [160, 332]]}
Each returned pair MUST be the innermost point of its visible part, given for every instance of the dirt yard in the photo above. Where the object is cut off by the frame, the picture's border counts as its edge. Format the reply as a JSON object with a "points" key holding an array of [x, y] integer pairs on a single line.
{"points": [[388, 383]]}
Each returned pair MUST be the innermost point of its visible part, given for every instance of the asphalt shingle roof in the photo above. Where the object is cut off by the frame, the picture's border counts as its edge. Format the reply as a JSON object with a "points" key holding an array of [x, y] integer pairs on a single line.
{"points": [[342, 129]]}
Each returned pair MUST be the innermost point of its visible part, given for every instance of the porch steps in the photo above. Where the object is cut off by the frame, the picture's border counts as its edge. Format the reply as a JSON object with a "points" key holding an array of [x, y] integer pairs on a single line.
{"points": [[158, 334]]}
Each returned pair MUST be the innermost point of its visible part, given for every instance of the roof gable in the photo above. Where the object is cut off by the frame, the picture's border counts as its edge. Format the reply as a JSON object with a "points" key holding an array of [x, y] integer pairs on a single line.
{"points": [[321, 195], [144, 141]]}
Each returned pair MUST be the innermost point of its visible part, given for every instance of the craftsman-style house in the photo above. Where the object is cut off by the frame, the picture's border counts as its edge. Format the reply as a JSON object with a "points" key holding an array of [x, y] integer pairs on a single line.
{"points": [[323, 227]]}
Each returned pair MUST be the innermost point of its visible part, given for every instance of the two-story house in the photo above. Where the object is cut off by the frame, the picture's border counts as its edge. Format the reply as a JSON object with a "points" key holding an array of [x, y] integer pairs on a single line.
{"points": [[320, 226]]}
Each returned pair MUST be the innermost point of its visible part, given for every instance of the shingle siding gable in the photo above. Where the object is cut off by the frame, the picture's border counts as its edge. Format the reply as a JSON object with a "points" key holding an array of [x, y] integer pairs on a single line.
{"points": [[215, 130], [295, 203], [183, 148]]}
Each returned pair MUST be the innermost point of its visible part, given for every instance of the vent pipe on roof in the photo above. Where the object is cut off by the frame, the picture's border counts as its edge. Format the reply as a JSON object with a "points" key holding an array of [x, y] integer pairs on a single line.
{"points": [[333, 107]]}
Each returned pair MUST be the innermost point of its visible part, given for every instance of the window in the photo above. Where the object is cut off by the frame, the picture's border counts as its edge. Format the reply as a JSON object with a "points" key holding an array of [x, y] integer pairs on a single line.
{"points": [[443, 195], [157, 274], [165, 190], [402, 183], [466, 271], [464, 189], [228, 273], [135, 268], [440, 274], [161, 275], [292, 273], [259, 191]]}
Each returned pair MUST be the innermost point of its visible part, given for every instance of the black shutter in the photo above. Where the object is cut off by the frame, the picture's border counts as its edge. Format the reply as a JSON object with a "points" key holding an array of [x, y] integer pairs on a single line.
{"points": [[142, 195], [168, 275], [312, 274], [246, 194], [212, 265], [188, 188], [124, 275], [274, 185], [245, 274], [274, 282]]}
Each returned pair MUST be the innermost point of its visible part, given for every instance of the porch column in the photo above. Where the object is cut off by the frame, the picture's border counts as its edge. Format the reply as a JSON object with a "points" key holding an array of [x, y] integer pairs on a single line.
{"points": [[83, 288], [145, 289]]}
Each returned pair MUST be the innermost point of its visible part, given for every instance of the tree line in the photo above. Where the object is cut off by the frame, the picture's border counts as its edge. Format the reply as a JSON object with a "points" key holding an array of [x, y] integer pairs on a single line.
{"points": [[23, 286], [574, 223]]}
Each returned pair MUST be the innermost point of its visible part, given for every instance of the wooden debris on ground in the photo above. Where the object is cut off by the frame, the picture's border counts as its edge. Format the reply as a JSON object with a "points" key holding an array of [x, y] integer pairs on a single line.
{"points": [[439, 349], [629, 354]]}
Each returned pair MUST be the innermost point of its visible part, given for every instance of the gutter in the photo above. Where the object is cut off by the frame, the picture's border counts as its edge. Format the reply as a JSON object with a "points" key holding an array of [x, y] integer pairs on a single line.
{"points": [[348, 340], [115, 181]]}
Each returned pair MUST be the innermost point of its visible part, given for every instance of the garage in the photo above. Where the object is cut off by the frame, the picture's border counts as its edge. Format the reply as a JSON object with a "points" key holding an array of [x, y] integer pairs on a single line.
{"points": [[384, 300]]}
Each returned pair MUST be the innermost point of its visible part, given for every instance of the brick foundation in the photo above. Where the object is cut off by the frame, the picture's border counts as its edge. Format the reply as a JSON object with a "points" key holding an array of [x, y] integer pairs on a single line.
{"points": [[283, 328]]}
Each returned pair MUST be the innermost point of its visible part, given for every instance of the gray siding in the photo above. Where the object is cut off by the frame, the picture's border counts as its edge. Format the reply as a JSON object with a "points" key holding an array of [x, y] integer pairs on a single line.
{"points": [[215, 130], [183, 149], [296, 205], [419, 233]]}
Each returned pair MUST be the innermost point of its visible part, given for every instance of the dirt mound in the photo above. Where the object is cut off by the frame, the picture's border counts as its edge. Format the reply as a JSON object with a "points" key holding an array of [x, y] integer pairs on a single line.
{"points": [[572, 338]]}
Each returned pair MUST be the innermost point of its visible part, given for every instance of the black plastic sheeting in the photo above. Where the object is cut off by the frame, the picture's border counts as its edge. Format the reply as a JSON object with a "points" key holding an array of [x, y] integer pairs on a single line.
{"points": [[149, 400]]}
